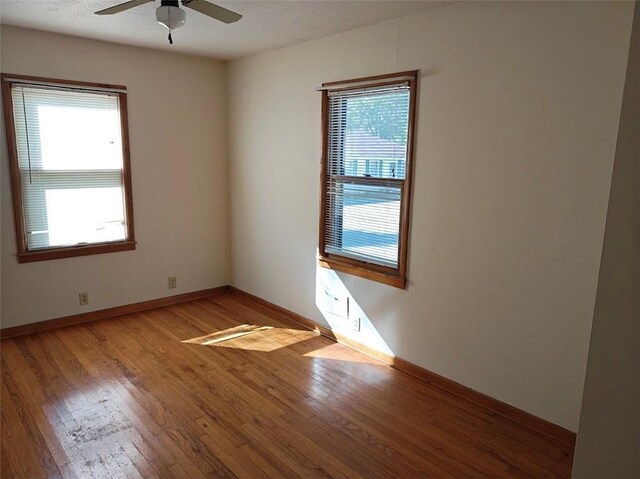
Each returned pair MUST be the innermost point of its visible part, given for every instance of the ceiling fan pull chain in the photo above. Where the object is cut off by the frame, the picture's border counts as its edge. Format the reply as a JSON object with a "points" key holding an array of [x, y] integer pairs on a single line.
{"points": [[169, 15]]}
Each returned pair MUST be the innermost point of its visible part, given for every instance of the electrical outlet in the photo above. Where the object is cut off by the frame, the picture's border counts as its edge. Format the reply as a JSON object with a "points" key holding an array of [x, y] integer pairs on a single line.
{"points": [[356, 324], [172, 283], [84, 298]]}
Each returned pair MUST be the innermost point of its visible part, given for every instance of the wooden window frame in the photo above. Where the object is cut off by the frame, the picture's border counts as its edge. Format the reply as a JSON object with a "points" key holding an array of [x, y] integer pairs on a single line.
{"points": [[396, 277], [24, 255]]}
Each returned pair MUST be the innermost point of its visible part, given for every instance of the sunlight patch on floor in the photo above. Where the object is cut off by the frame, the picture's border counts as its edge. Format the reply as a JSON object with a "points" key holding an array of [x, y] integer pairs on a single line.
{"points": [[254, 338], [338, 352]]}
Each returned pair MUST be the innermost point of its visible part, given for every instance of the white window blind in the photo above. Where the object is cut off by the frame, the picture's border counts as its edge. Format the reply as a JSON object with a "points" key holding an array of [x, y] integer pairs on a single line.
{"points": [[366, 168], [70, 160]]}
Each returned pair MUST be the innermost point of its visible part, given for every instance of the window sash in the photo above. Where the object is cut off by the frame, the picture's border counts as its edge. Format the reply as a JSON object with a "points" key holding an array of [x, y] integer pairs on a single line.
{"points": [[36, 184], [360, 228]]}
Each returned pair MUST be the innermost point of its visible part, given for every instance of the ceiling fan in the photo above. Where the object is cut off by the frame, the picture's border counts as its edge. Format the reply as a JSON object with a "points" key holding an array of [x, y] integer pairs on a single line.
{"points": [[170, 15]]}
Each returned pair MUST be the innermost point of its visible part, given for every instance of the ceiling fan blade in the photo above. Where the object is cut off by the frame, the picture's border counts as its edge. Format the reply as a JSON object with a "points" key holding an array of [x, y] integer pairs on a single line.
{"points": [[122, 7], [212, 10]]}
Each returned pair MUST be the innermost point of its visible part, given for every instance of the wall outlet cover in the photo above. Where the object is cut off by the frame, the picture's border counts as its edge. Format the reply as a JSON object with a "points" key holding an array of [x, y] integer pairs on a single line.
{"points": [[84, 298], [356, 323]]}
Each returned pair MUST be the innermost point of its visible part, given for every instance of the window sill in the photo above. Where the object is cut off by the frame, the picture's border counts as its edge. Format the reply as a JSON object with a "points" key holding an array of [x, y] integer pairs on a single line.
{"points": [[364, 271], [72, 251]]}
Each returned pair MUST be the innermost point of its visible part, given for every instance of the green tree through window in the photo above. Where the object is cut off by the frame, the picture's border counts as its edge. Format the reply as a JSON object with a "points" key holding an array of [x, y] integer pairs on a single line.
{"points": [[378, 118]]}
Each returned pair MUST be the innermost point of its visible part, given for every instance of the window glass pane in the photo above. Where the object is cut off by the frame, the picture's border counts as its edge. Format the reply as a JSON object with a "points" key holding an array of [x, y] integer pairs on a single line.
{"points": [[65, 130], [73, 138], [365, 222], [368, 134], [367, 155], [81, 215]]}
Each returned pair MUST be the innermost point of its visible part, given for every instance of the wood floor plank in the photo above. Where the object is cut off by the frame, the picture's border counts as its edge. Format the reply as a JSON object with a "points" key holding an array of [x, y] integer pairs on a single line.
{"points": [[14, 442], [26, 434], [222, 387]]}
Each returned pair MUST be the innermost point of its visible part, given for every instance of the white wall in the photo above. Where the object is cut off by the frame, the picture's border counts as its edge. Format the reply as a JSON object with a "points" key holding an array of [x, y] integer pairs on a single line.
{"points": [[177, 126], [518, 113], [608, 443]]}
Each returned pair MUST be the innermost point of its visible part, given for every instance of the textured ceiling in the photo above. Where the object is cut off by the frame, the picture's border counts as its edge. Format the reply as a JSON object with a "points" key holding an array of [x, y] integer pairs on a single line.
{"points": [[266, 24]]}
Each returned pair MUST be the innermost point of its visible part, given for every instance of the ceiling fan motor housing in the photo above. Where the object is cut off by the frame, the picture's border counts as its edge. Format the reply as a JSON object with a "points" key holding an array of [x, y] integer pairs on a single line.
{"points": [[170, 15]]}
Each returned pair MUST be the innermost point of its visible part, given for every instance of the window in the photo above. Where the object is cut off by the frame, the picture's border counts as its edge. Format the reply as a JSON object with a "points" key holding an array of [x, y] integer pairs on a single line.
{"points": [[70, 177], [366, 175]]}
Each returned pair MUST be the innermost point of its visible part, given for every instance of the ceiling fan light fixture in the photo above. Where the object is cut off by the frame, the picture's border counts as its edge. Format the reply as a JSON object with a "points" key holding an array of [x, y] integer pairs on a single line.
{"points": [[171, 17]]}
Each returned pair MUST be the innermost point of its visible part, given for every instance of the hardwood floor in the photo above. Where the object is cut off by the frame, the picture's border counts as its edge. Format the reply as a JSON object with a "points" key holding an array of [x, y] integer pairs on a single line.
{"points": [[222, 388]]}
